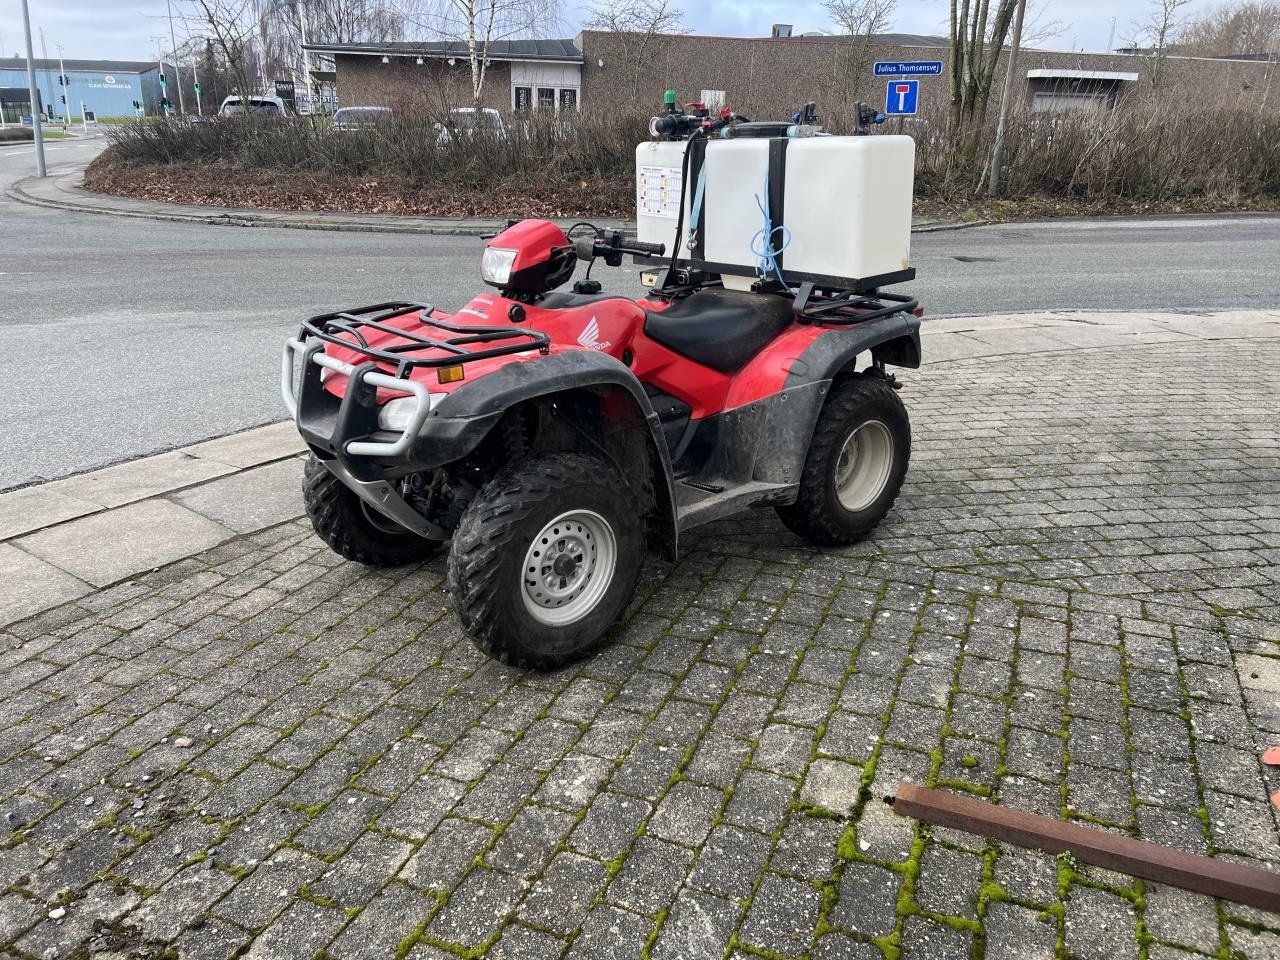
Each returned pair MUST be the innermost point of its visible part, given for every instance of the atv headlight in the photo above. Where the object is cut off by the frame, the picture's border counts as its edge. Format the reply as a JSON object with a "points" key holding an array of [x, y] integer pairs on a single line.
{"points": [[496, 265], [396, 414]]}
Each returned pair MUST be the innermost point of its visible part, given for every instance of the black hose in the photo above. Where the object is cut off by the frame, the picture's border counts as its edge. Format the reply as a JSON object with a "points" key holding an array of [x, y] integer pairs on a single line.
{"points": [[684, 176]]}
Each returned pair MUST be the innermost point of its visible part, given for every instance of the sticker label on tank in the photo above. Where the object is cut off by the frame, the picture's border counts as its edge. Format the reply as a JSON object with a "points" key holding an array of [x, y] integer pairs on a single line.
{"points": [[658, 192]]}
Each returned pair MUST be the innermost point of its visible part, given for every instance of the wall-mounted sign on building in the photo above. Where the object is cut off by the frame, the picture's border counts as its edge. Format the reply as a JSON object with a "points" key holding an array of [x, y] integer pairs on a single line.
{"points": [[109, 82]]}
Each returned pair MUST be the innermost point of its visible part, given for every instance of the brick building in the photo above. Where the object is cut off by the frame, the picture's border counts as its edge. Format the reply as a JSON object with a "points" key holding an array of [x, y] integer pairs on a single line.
{"points": [[522, 74], [600, 69]]}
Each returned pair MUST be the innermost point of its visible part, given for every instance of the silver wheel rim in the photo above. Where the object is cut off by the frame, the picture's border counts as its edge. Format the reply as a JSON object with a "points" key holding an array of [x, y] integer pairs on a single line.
{"points": [[568, 568], [862, 468]]}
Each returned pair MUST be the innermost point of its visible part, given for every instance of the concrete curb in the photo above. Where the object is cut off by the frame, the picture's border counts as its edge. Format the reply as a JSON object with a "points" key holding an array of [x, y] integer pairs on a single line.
{"points": [[64, 539], [357, 223], [942, 227], [367, 223]]}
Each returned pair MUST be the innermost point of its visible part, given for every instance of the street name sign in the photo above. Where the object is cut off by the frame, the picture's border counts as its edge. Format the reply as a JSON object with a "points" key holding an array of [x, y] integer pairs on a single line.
{"points": [[909, 68]]}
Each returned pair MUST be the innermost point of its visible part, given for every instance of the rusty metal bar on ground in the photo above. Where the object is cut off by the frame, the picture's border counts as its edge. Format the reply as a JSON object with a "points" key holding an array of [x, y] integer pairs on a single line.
{"points": [[1139, 858]]}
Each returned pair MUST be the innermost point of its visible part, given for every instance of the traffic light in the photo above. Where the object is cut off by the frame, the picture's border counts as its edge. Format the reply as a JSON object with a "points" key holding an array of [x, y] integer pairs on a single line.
{"points": [[162, 81], [63, 98], [197, 86], [164, 102], [64, 80], [137, 104]]}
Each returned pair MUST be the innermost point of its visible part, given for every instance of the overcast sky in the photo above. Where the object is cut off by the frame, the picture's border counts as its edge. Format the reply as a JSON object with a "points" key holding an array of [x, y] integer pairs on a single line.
{"points": [[121, 29]]}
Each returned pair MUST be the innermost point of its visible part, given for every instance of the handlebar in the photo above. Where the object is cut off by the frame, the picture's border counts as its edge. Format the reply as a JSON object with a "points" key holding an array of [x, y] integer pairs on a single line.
{"points": [[612, 244]]}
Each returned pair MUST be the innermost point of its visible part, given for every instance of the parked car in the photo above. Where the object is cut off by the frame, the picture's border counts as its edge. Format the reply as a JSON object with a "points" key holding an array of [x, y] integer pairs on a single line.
{"points": [[265, 105], [358, 118], [465, 121]]}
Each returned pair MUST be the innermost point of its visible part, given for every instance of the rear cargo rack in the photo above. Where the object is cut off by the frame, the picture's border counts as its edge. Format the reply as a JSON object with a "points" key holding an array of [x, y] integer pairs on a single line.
{"points": [[345, 328]]}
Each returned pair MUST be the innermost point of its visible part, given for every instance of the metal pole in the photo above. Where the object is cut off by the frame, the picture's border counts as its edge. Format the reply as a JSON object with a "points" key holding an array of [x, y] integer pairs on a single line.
{"points": [[306, 55], [44, 55], [1010, 76], [41, 171], [1111, 37], [62, 82], [195, 78], [177, 71]]}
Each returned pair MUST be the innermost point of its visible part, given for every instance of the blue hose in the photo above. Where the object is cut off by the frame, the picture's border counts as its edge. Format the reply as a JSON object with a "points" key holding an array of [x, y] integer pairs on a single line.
{"points": [[762, 241]]}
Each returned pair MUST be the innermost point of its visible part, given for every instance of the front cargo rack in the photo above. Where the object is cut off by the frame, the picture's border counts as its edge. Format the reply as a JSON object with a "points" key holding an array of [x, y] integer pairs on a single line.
{"points": [[344, 328]]}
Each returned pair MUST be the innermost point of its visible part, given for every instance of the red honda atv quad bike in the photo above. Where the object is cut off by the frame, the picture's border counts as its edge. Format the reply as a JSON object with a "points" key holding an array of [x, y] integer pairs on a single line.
{"points": [[551, 438]]}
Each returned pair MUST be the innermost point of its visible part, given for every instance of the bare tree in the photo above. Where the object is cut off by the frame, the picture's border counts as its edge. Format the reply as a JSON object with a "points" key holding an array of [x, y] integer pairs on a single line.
{"points": [[1239, 27], [356, 21], [257, 39], [978, 34], [228, 28], [327, 21], [858, 21], [1036, 28], [478, 24], [640, 28], [1157, 33]]}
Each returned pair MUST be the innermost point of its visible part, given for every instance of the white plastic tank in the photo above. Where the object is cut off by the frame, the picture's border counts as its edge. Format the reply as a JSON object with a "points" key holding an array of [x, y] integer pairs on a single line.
{"points": [[846, 203], [658, 165], [737, 183]]}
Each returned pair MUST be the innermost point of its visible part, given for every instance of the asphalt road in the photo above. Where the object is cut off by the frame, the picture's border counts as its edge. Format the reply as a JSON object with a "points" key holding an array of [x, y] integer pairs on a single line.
{"points": [[122, 337]]}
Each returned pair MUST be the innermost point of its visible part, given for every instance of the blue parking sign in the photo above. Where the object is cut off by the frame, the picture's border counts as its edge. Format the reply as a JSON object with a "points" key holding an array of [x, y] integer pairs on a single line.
{"points": [[901, 97]]}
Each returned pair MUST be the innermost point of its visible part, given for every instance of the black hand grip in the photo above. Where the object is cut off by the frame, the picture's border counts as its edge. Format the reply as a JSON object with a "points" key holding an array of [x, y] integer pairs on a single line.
{"points": [[636, 246]]}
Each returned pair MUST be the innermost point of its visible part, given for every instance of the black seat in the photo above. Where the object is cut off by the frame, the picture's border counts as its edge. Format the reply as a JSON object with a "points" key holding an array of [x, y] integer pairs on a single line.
{"points": [[721, 329]]}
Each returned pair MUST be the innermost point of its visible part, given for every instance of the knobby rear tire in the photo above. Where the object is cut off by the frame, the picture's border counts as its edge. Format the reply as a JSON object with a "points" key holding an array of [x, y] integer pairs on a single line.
{"points": [[818, 515]]}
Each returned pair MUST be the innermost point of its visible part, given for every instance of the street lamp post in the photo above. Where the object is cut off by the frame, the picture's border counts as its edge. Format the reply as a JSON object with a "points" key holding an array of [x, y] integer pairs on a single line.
{"points": [[177, 71], [62, 82], [33, 92], [44, 55], [300, 6], [1010, 75], [306, 54]]}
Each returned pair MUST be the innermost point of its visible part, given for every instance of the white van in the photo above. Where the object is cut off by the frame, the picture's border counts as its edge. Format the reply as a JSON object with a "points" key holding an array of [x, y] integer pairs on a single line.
{"points": [[266, 105]]}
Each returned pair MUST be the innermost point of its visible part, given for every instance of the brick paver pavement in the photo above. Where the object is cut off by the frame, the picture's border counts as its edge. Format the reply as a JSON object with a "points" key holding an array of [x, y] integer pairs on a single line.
{"points": [[1074, 610]]}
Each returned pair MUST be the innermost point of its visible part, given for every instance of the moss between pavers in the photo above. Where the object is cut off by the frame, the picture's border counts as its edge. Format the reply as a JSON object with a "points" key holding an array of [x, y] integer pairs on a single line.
{"points": [[612, 867]]}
